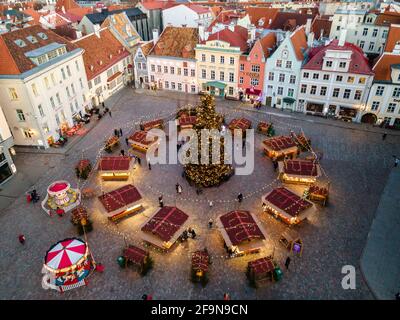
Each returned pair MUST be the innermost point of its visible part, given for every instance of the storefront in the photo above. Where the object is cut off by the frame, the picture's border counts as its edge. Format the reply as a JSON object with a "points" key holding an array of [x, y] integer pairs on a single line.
{"points": [[346, 112], [315, 107], [288, 103], [215, 88], [252, 94]]}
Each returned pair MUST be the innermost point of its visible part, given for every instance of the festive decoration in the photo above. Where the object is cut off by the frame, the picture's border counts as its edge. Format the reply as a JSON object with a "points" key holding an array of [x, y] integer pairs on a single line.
{"points": [[61, 195], [83, 169]]}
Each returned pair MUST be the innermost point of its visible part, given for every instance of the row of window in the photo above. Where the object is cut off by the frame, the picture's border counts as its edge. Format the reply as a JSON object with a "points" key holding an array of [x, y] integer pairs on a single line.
{"points": [[178, 86], [390, 108], [282, 77], [171, 70], [339, 78], [380, 90], [254, 68], [288, 64], [280, 91], [231, 75], [253, 81], [213, 59], [335, 93]]}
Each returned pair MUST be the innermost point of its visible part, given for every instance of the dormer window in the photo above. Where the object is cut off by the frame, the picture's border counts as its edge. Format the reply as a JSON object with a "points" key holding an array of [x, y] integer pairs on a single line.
{"points": [[20, 43], [91, 67], [110, 56], [342, 64], [100, 62], [31, 39], [42, 36], [328, 64]]}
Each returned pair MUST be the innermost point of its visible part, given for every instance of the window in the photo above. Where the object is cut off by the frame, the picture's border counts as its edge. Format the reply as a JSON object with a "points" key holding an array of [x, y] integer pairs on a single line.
{"points": [[384, 34], [315, 76], [379, 90], [179, 71], [328, 64], [279, 63], [255, 68], [20, 115], [339, 78], [53, 79], [53, 105], [391, 107], [193, 88], [212, 75], [346, 94], [13, 93], [231, 60], [203, 73], [303, 88], [73, 88], [326, 77], [362, 44], [231, 77], [271, 76], [166, 85], [230, 91], [159, 69], [185, 72], [222, 76], [180, 86], [203, 57], [34, 90], [172, 70], [173, 85], [350, 80], [152, 78], [281, 77], [280, 91], [58, 98], [97, 80], [335, 92], [192, 73], [342, 65], [313, 89], [371, 46], [68, 92], [374, 33], [153, 68], [165, 69], [241, 80], [57, 119], [212, 58], [292, 79], [375, 105], [365, 31], [76, 65], [81, 83], [290, 92], [254, 82], [361, 80], [90, 84], [357, 95], [396, 92], [68, 71], [222, 60], [289, 64], [322, 92], [306, 75]]}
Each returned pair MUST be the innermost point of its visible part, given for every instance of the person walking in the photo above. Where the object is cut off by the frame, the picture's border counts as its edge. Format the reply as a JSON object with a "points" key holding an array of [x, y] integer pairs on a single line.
{"points": [[275, 163], [240, 197], [109, 112], [396, 162], [178, 188], [287, 263], [123, 152], [116, 133], [384, 136], [210, 223], [149, 164], [210, 204], [21, 239], [161, 201], [120, 131], [226, 296], [139, 161]]}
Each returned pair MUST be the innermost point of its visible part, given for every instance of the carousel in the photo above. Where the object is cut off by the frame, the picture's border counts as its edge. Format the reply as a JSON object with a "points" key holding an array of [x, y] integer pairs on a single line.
{"points": [[60, 196], [67, 265]]}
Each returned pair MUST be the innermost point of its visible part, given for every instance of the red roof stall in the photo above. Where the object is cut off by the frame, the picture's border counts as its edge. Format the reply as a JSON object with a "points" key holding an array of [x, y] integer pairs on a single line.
{"points": [[121, 202], [165, 227], [159, 124], [280, 146], [241, 231], [299, 171], [287, 205], [261, 269], [142, 140], [114, 168], [240, 124], [186, 122]]}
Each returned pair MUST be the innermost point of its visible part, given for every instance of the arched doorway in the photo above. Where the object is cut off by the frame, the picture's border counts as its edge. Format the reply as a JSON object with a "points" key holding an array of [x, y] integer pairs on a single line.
{"points": [[369, 118]]}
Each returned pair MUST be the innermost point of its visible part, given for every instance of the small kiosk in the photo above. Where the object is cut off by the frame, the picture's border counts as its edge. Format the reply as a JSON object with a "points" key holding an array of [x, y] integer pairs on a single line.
{"points": [[142, 140], [261, 270], [265, 128], [279, 147], [318, 193], [155, 124], [200, 263], [111, 144], [137, 257], [186, 122], [292, 241], [115, 168], [299, 171], [240, 124]]}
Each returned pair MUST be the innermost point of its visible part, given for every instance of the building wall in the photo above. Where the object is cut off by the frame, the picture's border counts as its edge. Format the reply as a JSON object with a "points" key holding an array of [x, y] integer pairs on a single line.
{"points": [[7, 166], [141, 72], [159, 71]]}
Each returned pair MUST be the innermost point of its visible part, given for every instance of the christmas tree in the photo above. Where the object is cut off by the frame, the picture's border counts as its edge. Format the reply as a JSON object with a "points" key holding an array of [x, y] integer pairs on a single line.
{"points": [[208, 175]]}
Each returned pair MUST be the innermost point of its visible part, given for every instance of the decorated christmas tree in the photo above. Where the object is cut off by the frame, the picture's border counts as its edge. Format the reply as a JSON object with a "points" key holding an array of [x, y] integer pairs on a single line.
{"points": [[208, 175]]}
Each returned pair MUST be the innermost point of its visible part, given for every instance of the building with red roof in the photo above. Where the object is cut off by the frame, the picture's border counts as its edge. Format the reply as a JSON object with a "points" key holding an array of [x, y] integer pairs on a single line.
{"points": [[335, 81]]}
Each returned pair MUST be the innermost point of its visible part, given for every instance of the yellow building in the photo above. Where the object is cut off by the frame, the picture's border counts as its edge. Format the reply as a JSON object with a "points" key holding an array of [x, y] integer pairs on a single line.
{"points": [[218, 62]]}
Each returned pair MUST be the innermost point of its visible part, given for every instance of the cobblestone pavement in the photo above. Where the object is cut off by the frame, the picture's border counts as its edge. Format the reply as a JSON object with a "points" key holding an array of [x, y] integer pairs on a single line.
{"points": [[357, 163]]}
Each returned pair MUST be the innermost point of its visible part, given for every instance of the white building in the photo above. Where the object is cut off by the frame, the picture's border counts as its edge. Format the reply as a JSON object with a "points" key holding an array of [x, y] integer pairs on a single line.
{"points": [[171, 63], [187, 15], [335, 81], [42, 85], [140, 65], [106, 62], [7, 167], [282, 70]]}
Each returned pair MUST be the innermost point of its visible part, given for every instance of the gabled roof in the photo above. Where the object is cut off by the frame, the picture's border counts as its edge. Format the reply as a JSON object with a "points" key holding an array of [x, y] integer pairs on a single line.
{"points": [[100, 52], [225, 17], [321, 25], [13, 59], [393, 37], [157, 5], [268, 43], [176, 42], [289, 21], [99, 17], [146, 47], [198, 8], [387, 18], [261, 15], [236, 38], [382, 68], [35, 15], [121, 23], [66, 5], [358, 64], [299, 42]]}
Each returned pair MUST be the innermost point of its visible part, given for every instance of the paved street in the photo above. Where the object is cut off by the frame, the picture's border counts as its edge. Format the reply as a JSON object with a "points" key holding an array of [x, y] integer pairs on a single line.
{"points": [[356, 160]]}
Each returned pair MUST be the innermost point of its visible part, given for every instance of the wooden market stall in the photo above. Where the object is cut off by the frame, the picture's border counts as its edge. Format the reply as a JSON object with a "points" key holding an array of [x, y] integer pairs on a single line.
{"points": [[302, 141], [111, 144], [318, 193], [142, 140], [121, 202], [265, 128], [186, 122], [290, 207], [83, 169], [292, 241], [115, 168], [164, 227], [137, 257], [200, 263], [154, 124], [240, 124], [280, 146], [261, 270], [299, 171], [80, 219], [241, 232]]}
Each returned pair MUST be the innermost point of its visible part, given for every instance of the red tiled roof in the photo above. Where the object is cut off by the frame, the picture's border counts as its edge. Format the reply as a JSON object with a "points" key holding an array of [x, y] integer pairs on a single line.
{"points": [[299, 42], [382, 68], [67, 4], [242, 124], [387, 18], [120, 198], [300, 167], [12, 57], [146, 48], [289, 21], [35, 15], [321, 26], [99, 49], [197, 8], [140, 137], [135, 254], [166, 222], [80, 12], [358, 64], [153, 5], [114, 163], [263, 15], [236, 38], [262, 265], [268, 43], [152, 124], [287, 201], [279, 143], [187, 120], [240, 226], [393, 37]]}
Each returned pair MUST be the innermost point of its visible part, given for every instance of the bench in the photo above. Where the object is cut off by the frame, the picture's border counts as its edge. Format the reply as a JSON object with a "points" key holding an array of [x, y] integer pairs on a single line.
{"points": [[123, 214]]}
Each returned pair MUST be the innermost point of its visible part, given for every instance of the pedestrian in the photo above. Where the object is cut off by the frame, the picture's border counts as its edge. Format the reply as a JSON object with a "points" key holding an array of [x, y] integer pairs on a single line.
{"points": [[139, 161], [149, 297], [287, 263], [193, 234], [123, 152], [127, 141], [178, 188], [60, 212], [21, 239], [396, 162], [116, 132], [397, 296], [161, 201], [210, 223], [110, 114], [103, 104], [120, 131], [184, 235], [275, 163], [149, 164], [384, 136], [210, 204], [240, 197], [226, 296], [144, 297]]}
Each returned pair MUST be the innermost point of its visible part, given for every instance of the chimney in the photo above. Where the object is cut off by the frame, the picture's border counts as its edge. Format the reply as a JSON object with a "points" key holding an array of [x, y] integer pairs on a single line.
{"points": [[78, 34], [310, 39], [63, 9], [97, 30], [308, 26], [155, 35], [396, 49], [201, 33], [269, 21], [342, 37]]}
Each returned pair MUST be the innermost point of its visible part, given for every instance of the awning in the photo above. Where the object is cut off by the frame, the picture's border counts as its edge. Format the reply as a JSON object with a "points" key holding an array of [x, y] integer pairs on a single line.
{"points": [[288, 100], [216, 84], [130, 66], [114, 76], [252, 91]]}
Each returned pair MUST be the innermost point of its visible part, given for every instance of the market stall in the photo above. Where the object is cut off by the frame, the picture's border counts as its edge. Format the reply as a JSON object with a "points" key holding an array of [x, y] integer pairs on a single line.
{"points": [[111, 144], [200, 263], [240, 124], [265, 128], [164, 227], [299, 171], [142, 140], [263, 269], [155, 124], [301, 140], [137, 257], [287, 205], [279, 147], [115, 168], [60, 195], [83, 168], [318, 193], [67, 265], [121, 202], [186, 122], [80, 219], [241, 232], [292, 241]]}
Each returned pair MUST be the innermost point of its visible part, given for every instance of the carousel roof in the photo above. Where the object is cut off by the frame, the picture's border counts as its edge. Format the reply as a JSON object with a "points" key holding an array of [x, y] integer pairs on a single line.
{"points": [[287, 201], [58, 186], [140, 137], [166, 222], [300, 167], [120, 198], [114, 163], [280, 143], [242, 124], [241, 226], [262, 265], [65, 253]]}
